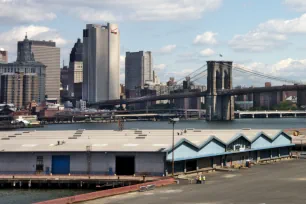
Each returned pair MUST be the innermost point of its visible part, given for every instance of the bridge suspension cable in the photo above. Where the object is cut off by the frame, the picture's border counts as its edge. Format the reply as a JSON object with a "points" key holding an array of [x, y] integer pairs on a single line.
{"points": [[259, 74], [194, 72], [192, 75], [200, 77]]}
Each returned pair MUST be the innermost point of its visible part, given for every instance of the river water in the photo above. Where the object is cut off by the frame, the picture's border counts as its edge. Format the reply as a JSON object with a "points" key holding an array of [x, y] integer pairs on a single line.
{"points": [[20, 196], [260, 123]]}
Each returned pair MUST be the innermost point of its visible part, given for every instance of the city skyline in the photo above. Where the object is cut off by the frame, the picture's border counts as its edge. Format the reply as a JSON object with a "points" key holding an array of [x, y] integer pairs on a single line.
{"points": [[181, 37]]}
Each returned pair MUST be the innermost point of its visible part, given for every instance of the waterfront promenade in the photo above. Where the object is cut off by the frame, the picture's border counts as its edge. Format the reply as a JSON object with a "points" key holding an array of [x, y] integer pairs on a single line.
{"points": [[252, 186]]}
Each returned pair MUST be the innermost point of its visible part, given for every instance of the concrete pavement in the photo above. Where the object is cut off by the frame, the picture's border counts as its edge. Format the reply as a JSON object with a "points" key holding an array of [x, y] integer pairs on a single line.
{"points": [[282, 183]]}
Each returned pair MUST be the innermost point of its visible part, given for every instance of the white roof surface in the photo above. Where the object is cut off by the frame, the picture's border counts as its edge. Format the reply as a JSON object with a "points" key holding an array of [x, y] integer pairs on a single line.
{"points": [[110, 140]]}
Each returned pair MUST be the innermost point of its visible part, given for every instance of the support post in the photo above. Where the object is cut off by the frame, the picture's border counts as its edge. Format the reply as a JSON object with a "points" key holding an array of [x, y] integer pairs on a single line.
{"points": [[197, 165], [258, 156], [173, 150]]}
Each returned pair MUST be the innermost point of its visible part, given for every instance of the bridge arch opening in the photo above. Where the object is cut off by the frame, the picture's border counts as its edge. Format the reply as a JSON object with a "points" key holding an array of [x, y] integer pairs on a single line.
{"points": [[218, 80], [226, 79]]}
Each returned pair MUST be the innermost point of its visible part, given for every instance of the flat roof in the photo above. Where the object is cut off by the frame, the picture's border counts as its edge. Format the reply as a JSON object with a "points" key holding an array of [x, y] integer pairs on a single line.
{"points": [[112, 140]]}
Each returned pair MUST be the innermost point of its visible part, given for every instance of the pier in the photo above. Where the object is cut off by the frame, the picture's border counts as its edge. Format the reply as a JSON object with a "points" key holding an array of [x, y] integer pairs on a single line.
{"points": [[269, 114], [72, 181]]}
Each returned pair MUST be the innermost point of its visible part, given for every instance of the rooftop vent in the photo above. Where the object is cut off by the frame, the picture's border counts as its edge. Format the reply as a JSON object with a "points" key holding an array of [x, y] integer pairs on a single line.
{"points": [[60, 142], [138, 132], [5, 138], [190, 129], [246, 128], [140, 137]]}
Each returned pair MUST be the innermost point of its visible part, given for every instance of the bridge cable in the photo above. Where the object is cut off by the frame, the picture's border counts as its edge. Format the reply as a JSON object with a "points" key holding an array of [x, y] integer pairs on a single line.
{"points": [[253, 72]]}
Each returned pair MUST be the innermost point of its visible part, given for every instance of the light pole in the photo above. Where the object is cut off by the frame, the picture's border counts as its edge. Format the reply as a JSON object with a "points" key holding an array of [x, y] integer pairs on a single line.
{"points": [[173, 121]]}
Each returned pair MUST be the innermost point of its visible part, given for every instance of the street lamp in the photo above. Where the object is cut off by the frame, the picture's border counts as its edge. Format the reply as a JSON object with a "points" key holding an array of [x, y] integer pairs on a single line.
{"points": [[173, 121]]}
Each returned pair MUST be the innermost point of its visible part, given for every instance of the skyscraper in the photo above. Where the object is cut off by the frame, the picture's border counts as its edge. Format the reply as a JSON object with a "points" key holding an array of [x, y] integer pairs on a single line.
{"points": [[3, 56], [47, 53], [138, 69], [101, 62], [75, 71], [22, 81]]}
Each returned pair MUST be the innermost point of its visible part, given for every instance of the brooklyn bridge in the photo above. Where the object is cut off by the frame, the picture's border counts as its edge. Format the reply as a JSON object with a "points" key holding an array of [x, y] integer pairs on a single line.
{"points": [[219, 96]]}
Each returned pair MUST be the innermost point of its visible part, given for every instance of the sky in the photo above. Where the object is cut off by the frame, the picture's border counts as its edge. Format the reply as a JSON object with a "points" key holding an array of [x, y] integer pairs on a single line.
{"points": [[266, 36]]}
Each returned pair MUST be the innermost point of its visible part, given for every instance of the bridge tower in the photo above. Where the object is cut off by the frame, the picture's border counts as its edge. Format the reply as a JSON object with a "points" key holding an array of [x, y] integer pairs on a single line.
{"points": [[219, 77]]}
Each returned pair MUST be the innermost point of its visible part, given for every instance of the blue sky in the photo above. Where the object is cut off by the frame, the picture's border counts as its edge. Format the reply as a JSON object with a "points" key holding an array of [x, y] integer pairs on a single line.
{"points": [[268, 36]]}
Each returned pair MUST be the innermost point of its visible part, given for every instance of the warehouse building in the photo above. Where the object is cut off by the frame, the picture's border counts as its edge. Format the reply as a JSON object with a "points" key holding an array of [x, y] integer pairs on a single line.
{"points": [[140, 152]]}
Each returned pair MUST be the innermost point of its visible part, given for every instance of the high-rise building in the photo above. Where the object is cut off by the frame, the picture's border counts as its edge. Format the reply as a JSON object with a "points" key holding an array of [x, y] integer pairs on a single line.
{"points": [[3, 56], [76, 69], [138, 69], [47, 53], [64, 78], [101, 62], [23, 81], [12, 88]]}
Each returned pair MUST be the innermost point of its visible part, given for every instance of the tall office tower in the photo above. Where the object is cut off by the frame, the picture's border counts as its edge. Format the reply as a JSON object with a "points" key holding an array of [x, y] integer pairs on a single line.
{"points": [[47, 53], [138, 69], [3, 56], [75, 76], [101, 58], [22, 81]]}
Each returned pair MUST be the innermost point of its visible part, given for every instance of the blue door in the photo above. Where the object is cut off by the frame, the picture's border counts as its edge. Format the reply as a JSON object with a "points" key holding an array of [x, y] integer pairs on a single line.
{"points": [[61, 164]]}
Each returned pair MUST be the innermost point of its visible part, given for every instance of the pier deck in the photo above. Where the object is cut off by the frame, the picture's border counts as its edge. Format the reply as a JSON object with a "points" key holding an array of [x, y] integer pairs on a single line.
{"points": [[72, 181]]}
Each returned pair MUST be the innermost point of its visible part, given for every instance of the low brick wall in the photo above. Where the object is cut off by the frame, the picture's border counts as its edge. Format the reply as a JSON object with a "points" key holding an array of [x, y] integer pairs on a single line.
{"points": [[106, 193]]}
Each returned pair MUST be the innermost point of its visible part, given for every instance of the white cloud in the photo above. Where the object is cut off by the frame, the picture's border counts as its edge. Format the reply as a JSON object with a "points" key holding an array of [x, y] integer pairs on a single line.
{"points": [[167, 49], [295, 26], [291, 69], [27, 11], [272, 34], [207, 52], [93, 15], [257, 41], [20, 11], [137, 10], [207, 38], [159, 66], [299, 5], [11, 37]]}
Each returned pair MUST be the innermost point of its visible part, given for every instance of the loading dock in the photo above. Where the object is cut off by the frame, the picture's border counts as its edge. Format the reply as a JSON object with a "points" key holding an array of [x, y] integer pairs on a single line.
{"points": [[284, 151], [265, 154], [61, 164], [125, 165], [274, 153], [204, 162], [191, 165]]}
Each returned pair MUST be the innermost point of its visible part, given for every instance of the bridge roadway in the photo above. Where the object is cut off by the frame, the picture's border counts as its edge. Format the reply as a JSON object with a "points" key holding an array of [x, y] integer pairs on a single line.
{"points": [[232, 92]]}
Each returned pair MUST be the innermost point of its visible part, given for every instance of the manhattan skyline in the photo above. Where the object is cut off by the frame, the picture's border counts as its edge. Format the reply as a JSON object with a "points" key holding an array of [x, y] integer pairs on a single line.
{"points": [[265, 36]]}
